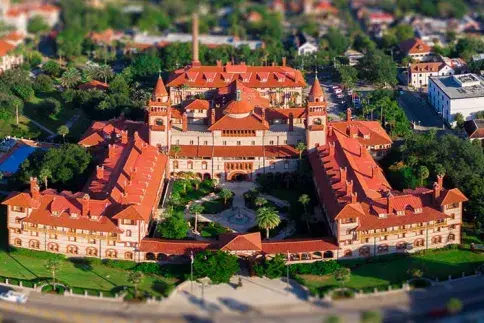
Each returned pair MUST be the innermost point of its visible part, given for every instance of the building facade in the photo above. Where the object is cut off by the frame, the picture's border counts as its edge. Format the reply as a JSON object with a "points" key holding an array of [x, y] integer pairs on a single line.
{"points": [[8, 58], [450, 95]]}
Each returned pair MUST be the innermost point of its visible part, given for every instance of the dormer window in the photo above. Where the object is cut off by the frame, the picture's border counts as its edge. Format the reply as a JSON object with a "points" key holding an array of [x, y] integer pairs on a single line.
{"points": [[94, 217], [74, 215], [55, 213], [417, 210], [382, 215], [400, 212], [18, 209]]}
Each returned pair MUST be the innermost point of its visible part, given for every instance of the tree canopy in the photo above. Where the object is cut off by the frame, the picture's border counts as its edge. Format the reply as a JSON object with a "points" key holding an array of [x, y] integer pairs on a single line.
{"points": [[377, 68], [219, 266]]}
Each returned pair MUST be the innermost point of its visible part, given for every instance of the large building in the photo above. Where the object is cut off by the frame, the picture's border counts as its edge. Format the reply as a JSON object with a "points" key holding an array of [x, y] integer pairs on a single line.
{"points": [[18, 15], [234, 122], [450, 95]]}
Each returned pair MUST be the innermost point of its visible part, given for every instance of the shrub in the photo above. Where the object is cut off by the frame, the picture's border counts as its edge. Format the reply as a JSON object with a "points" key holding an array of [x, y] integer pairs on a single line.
{"points": [[52, 68], [148, 268], [24, 91], [50, 107], [35, 58], [259, 269], [36, 254], [275, 267], [43, 83], [218, 266], [315, 268], [122, 264]]}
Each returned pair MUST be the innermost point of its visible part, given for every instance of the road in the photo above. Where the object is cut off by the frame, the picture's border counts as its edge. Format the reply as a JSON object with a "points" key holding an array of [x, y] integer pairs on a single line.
{"points": [[271, 303], [419, 111]]}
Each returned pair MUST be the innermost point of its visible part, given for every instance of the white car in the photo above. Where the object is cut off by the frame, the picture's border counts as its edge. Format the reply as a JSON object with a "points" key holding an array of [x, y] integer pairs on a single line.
{"points": [[338, 91], [13, 297], [334, 87], [340, 95]]}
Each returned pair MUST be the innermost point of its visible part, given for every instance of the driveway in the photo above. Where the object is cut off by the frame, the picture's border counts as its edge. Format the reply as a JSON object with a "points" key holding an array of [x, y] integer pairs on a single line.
{"points": [[418, 111]]}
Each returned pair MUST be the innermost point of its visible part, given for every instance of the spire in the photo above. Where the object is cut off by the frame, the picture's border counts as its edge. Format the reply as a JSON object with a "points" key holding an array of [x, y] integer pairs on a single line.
{"points": [[160, 89], [316, 93]]}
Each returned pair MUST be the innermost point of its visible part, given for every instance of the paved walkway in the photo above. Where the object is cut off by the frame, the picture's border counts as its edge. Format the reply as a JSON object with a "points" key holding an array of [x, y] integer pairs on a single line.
{"points": [[69, 124], [39, 125]]}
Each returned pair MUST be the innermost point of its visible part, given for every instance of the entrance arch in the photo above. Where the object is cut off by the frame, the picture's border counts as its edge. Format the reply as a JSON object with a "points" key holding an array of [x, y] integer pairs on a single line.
{"points": [[239, 176]]}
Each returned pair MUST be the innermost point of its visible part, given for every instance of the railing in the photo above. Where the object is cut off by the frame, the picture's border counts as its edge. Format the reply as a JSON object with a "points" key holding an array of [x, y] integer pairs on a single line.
{"points": [[398, 231], [74, 234]]}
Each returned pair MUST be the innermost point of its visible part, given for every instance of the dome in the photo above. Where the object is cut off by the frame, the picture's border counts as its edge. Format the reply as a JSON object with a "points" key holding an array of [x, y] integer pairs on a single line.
{"points": [[239, 107]]}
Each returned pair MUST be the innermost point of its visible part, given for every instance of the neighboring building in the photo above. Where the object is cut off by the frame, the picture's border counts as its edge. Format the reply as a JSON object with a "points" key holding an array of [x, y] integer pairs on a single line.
{"points": [[475, 129], [353, 56], [419, 73], [417, 50], [319, 8], [478, 57], [307, 49], [106, 37], [456, 94], [8, 59], [94, 85], [375, 21], [19, 14]]}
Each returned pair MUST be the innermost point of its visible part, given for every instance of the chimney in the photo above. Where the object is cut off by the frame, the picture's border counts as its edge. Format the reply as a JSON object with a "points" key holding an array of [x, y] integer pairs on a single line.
{"points": [[389, 203], [440, 181], [291, 122], [330, 130], [437, 190], [195, 58], [124, 136], [219, 63], [284, 61], [136, 136], [349, 187], [85, 205], [263, 115], [212, 116], [99, 172], [111, 149], [184, 122], [34, 188], [332, 146], [348, 114], [342, 174], [374, 171], [354, 197]]}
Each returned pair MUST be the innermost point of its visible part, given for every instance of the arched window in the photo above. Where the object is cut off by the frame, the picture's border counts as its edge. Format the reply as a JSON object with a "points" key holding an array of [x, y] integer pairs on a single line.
{"points": [[128, 233], [150, 256], [348, 253], [451, 237], [17, 242], [159, 122], [204, 165], [436, 239], [382, 248], [419, 243], [190, 165], [364, 251], [175, 164], [317, 122], [111, 253], [72, 249], [53, 246], [91, 251], [34, 244], [328, 254], [128, 255]]}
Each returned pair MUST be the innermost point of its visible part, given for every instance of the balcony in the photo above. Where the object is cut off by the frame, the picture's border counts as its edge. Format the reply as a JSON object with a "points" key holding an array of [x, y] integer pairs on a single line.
{"points": [[108, 237], [400, 231]]}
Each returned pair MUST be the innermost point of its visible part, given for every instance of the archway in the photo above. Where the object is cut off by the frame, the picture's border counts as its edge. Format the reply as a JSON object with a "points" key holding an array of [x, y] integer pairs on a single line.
{"points": [[150, 256], [238, 177], [206, 176], [328, 254]]}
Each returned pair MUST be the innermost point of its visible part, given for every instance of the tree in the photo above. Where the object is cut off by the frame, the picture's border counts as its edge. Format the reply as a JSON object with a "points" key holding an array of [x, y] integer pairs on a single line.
{"points": [[440, 170], [145, 65], [454, 305], [196, 209], [225, 194], [218, 265], [176, 150], [45, 174], [174, 227], [103, 72], [53, 265], [378, 68], [37, 25], [300, 147], [63, 131], [423, 174], [50, 107], [348, 75], [304, 200], [371, 317], [135, 278], [260, 201], [43, 83], [267, 218], [333, 319], [337, 42], [52, 68], [342, 275], [459, 119], [275, 267], [119, 85], [70, 78]]}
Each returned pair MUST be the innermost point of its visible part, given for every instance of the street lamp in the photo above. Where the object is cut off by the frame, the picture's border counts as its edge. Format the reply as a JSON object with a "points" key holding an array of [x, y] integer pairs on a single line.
{"points": [[204, 282]]}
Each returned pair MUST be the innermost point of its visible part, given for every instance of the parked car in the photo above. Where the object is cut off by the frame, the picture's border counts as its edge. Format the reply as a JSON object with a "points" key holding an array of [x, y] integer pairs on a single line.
{"points": [[13, 297], [337, 91], [336, 86], [350, 92], [340, 95]]}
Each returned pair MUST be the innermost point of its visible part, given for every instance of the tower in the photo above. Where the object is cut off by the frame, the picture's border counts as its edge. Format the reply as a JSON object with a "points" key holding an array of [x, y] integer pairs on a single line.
{"points": [[159, 115], [316, 118]]}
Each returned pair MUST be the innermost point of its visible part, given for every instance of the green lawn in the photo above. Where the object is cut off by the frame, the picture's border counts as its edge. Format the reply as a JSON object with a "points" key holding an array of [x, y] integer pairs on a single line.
{"points": [[437, 264], [25, 129], [469, 234], [95, 276]]}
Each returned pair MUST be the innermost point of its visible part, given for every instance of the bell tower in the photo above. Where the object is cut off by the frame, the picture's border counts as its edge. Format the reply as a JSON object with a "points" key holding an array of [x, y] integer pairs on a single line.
{"points": [[159, 115], [316, 118]]}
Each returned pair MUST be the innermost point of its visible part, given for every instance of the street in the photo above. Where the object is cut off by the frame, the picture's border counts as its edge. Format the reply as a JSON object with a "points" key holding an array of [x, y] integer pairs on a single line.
{"points": [[419, 111]]}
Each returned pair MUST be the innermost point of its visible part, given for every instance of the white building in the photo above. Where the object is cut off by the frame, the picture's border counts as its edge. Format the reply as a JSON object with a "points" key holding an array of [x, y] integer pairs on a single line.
{"points": [[419, 73], [18, 15], [353, 56], [456, 94], [8, 59], [307, 48]]}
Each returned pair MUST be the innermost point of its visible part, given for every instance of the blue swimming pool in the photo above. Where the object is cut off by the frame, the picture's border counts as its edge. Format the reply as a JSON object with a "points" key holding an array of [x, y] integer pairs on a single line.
{"points": [[12, 163]]}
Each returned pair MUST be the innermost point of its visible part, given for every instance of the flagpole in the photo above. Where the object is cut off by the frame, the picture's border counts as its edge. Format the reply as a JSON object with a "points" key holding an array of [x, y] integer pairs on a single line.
{"points": [[191, 271], [287, 270]]}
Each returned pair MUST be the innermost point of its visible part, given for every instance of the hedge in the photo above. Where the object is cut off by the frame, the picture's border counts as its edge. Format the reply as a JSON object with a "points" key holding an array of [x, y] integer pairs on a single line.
{"points": [[36, 254], [315, 268]]}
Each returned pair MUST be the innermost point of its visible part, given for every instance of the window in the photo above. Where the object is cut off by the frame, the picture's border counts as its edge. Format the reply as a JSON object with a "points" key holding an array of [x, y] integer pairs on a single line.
{"points": [[271, 142], [224, 143], [128, 255], [272, 166], [18, 209], [18, 221], [72, 239], [17, 242], [191, 142], [92, 241], [128, 222], [190, 165], [204, 165], [128, 233], [52, 236], [111, 243], [175, 164], [286, 164], [239, 143], [205, 143], [34, 234], [253, 143]]}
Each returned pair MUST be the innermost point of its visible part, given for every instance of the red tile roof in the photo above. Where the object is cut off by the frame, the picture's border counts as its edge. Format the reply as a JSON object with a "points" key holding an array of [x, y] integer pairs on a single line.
{"points": [[279, 76], [198, 104], [414, 46], [236, 151], [240, 242], [160, 89], [427, 67], [278, 113], [94, 84], [316, 90], [239, 107], [251, 122], [5, 47], [173, 247], [369, 133], [453, 196], [474, 128], [298, 245]]}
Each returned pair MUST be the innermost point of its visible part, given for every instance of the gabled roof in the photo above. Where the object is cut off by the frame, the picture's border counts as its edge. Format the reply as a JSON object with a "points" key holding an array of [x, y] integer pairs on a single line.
{"points": [[251, 122], [426, 67], [18, 199], [94, 84], [197, 104], [240, 242], [5, 47], [414, 46], [129, 213], [474, 128], [453, 196], [160, 89], [298, 245], [369, 133]]}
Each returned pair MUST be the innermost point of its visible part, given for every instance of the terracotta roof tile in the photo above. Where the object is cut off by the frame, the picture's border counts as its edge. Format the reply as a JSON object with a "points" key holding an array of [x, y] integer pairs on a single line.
{"points": [[240, 242], [173, 247], [298, 245], [414, 46]]}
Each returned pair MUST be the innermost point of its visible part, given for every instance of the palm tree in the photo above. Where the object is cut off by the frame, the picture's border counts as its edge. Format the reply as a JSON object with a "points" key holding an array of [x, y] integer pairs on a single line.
{"points": [[103, 72], [440, 169], [423, 173], [260, 201], [454, 305], [45, 173], [63, 131], [300, 147], [135, 278], [185, 182], [196, 209], [53, 265], [175, 149], [304, 200], [70, 78], [267, 218], [196, 181], [225, 194]]}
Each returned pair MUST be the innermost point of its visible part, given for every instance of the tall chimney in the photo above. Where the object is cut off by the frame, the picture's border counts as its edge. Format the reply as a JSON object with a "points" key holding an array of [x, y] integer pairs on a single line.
{"points": [[348, 114], [440, 181], [184, 122], [389, 203], [111, 150], [85, 205], [349, 187], [34, 188], [354, 197], [342, 174], [437, 190], [212, 116], [195, 58], [332, 146], [99, 172], [291, 122], [124, 136]]}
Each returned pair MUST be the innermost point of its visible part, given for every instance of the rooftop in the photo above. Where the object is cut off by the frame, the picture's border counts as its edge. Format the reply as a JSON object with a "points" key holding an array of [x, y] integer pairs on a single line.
{"points": [[460, 86]]}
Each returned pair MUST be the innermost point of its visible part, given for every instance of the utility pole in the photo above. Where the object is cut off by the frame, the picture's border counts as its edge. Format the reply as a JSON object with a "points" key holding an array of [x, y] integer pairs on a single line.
{"points": [[287, 271], [191, 271]]}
